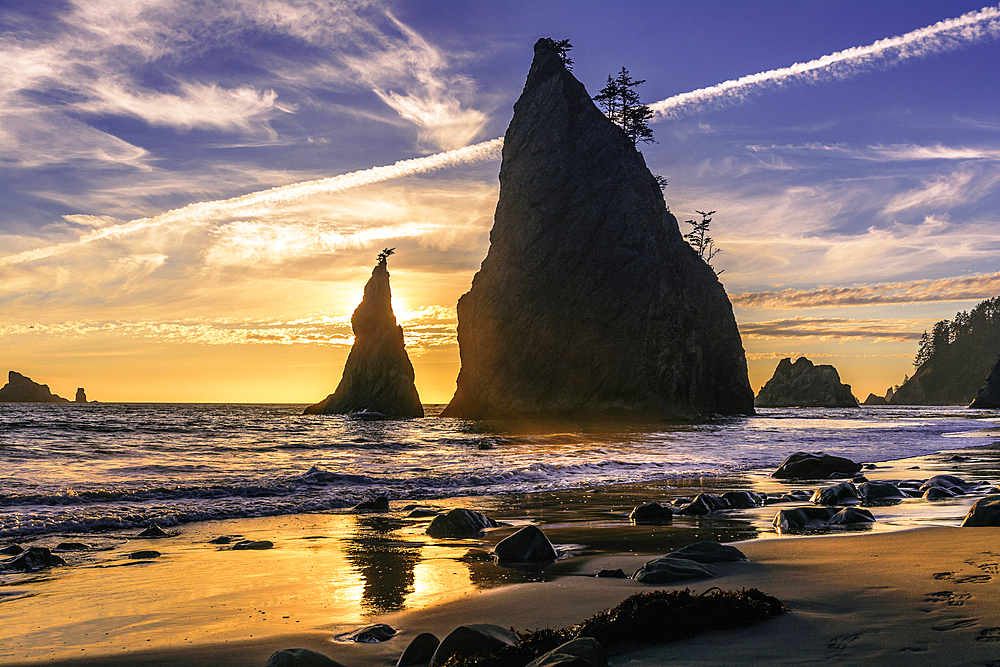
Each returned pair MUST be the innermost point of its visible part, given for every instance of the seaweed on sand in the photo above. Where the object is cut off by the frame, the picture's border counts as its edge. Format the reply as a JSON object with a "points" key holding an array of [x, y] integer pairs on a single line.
{"points": [[644, 618]]}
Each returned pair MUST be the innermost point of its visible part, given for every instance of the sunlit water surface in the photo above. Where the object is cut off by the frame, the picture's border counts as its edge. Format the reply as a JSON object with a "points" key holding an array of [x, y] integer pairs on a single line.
{"points": [[97, 467]]}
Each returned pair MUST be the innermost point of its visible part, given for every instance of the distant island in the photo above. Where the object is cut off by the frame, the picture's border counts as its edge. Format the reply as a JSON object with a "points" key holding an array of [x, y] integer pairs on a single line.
{"points": [[803, 384], [21, 389]]}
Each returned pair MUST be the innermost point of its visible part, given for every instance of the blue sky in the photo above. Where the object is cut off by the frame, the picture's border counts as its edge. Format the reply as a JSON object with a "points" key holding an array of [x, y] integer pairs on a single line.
{"points": [[856, 201]]}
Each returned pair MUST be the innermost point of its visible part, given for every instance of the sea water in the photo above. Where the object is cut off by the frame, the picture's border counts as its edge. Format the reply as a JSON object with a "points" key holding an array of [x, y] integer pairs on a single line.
{"points": [[86, 468]]}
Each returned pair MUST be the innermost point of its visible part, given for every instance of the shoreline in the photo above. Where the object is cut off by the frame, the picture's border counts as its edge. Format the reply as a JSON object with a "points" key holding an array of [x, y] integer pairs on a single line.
{"points": [[335, 572]]}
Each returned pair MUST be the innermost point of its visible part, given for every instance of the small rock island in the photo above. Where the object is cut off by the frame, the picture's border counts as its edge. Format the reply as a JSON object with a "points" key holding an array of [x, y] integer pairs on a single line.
{"points": [[803, 384], [378, 375], [590, 303], [21, 389]]}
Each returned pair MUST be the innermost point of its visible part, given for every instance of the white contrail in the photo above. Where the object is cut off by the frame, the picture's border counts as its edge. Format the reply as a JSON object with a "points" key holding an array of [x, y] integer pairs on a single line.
{"points": [[943, 36], [257, 202]]}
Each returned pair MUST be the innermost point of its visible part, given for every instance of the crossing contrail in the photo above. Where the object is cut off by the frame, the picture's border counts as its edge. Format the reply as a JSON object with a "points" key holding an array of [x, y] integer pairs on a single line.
{"points": [[943, 36]]}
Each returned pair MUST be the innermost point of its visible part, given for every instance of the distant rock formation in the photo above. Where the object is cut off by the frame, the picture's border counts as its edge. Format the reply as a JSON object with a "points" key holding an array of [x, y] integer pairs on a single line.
{"points": [[20, 389], [989, 393], [81, 396], [378, 376], [879, 400], [805, 385], [590, 303]]}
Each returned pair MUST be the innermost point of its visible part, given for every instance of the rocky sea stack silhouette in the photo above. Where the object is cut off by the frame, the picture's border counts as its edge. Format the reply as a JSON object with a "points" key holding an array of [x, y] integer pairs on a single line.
{"points": [[805, 385], [20, 389], [989, 393], [378, 376], [589, 302]]}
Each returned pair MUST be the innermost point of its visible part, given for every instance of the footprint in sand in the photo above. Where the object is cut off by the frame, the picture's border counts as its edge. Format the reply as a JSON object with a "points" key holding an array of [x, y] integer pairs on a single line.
{"points": [[918, 647], [943, 575], [950, 598], [991, 568], [956, 624], [989, 635], [973, 579], [843, 641]]}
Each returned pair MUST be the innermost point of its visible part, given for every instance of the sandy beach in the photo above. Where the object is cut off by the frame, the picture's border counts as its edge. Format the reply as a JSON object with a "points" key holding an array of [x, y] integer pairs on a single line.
{"points": [[899, 593]]}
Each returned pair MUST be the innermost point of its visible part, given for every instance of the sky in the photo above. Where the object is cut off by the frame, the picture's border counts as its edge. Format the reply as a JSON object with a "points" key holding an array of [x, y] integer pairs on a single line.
{"points": [[192, 195]]}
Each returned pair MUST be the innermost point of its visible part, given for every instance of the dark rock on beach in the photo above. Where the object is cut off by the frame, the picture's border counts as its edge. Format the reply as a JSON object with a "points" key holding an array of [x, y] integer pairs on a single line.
{"points": [[875, 493], [73, 546], [612, 574], [581, 652], [154, 532], [380, 504], [590, 303], [34, 558], [527, 544], [709, 552], [806, 465], [12, 550], [652, 512], [300, 657], [668, 569], [253, 545], [419, 651], [984, 512], [372, 634], [21, 389], [705, 503], [460, 523], [743, 500], [802, 384], [144, 555], [838, 494], [378, 375], [938, 493], [222, 539], [956, 485], [820, 518], [466, 640]]}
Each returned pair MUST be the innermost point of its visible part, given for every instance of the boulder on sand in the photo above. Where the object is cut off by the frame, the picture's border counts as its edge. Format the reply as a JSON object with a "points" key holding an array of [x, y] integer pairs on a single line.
{"points": [[466, 640], [581, 652], [709, 552], [820, 518], [984, 512], [33, 558], [460, 523], [652, 512], [20, 389], [668, 569], [419, 651], [806, 465], [300, 657], [838, 494], [590, 303], [527, 544], [804, 385], [378, 375]]}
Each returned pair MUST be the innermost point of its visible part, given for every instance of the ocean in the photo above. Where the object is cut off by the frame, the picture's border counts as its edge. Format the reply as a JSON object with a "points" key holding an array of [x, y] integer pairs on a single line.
{"points": [[74, 469]]}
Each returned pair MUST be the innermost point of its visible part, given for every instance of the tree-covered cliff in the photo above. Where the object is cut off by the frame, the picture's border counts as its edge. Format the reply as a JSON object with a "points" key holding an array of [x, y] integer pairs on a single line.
{"points": [[954, 358]]}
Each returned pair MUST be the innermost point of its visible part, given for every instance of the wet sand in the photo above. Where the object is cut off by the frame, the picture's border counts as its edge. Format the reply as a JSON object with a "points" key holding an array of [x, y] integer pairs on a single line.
{"points": [[896, 592]]}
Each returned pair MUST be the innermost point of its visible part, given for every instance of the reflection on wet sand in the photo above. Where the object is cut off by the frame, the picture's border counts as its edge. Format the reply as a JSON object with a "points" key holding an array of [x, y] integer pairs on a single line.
{"points": [[386, 564]]}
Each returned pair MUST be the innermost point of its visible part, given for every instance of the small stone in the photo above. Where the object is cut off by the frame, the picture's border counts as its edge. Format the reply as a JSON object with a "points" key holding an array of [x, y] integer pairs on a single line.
{"points": [[73, 546], [11, 550], [300, 657], [372, 634], [709, 552], [652, 512], [380, 504], [222, 539], [144, 555], [34, 558], [460, 523], [252, 545], [705, 503], [938, 493], [669, 569], [838, 494], [153, 532], [817, 465], [421, 513], [612, 574], [742, 499]]}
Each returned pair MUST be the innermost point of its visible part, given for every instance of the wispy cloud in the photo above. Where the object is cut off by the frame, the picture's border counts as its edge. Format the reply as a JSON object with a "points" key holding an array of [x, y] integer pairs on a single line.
{"points": [[261, 203], [964, 288], [836, 328], [941, 37]]}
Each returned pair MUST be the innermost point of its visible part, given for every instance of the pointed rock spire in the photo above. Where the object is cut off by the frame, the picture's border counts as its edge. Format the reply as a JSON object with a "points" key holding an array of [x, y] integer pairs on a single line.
{"points": [[589, 302], [378, 376]]}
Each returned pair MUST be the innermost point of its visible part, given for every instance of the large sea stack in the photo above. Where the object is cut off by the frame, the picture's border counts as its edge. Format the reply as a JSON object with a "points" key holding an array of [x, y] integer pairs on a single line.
{"points": [[378, 376], [589, 302], [20, 389], [805, 385]]}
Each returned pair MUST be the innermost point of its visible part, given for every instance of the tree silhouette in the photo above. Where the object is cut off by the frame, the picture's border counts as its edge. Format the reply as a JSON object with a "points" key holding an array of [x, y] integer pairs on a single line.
{"points": [[619, 102], [384, 255], [699, 239], [561, 48]]}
